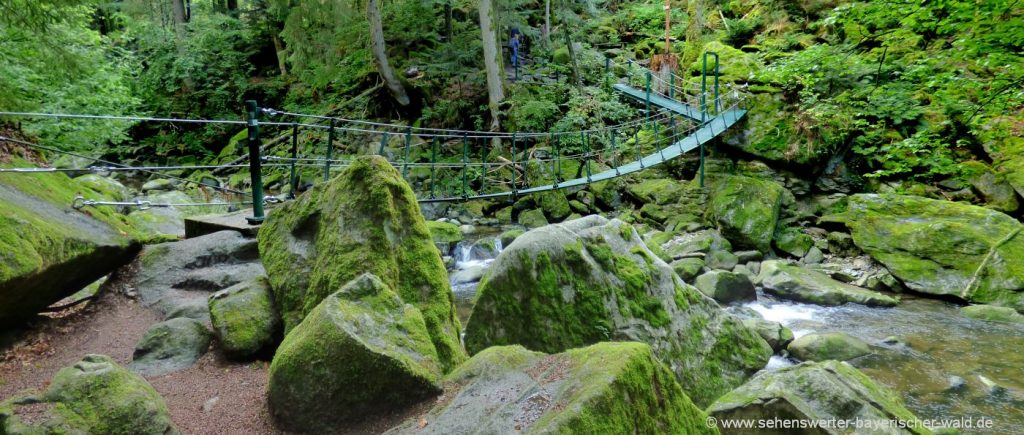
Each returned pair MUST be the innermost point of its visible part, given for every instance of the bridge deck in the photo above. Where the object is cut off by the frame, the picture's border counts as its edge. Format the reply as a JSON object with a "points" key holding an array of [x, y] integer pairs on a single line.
{"points": [[706, 133], [658, 100]]}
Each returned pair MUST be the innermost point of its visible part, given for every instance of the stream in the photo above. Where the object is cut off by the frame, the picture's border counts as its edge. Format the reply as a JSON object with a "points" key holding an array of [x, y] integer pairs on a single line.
{"points": [[922, 347]]}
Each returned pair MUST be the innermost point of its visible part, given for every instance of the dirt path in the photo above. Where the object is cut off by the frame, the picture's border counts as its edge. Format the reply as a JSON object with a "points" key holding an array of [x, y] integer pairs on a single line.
{"points": [[213, 397]]}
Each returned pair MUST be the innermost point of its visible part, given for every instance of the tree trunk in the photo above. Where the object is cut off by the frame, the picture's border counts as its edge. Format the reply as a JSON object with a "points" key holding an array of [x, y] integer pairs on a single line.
{"points": [[178, 7], [572, 51], [492, 62], [279, 50], [449, 32], [547, 23], [380, 54], [694, 32]]}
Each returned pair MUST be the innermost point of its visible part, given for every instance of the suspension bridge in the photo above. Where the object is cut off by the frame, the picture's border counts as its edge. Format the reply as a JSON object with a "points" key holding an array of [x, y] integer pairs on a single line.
{"points": [[678, 117]]}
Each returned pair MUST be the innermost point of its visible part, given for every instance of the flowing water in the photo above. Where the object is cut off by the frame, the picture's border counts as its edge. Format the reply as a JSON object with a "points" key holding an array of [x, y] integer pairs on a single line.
{"points": [[918, 346]]}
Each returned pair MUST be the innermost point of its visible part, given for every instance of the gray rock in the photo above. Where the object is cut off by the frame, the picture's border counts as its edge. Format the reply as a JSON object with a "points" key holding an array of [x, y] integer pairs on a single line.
{"points": [[755, 267], [956, 383], [802, 284], [468, 275], [508, 389], [991, 387], [992, 313], [814, 256], [95, 395], [841, 244], [688, 268], [777, 336], [361, 350], [723, 260], [162, 184], [837, 346], [244, 318], [185, 273], [725, 286], [687, 244], [742, 269], [170, 346], [590, 280], [748, 256], [49, 251], [829, 390]]}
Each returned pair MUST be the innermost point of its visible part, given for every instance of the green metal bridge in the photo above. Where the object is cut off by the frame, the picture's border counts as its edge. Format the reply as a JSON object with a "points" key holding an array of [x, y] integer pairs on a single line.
{"points": [[678, 117]]}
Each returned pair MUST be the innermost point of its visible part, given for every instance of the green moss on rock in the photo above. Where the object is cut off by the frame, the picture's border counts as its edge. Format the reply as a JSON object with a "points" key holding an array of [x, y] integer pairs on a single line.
{"points": [[589, 280], [533, 218], [361, 351], [837, 346], [941, 247], [992, 313], [797, 283], [244, 318], [366, 220], [829, 390], [93, 396], [606, 388], [444, 232], [745, 209]]}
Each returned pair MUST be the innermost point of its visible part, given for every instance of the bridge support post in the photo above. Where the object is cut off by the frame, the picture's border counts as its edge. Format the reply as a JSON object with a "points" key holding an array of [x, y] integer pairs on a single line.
{"points": [[515, 188], [433, 167], [647, 108], [293, 177], [330, 152], [383, 143], [255, 169], [465, 166], [408, 146]]}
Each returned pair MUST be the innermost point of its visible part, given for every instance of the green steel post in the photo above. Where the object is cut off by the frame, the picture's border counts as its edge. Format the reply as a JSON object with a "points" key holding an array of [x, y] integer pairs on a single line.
{"points": [[408, 146], [465, 165], [586, 147], [294, 178], [647, 108], [607, 71], [701, 163], [383, 142], [629, 72], [615, 154], [718, 104], [255, 171], [636, 145], [558, 159], [330, 152], [704, 88], [526, 165], [672, 86], [433, 167], [515, 188]]}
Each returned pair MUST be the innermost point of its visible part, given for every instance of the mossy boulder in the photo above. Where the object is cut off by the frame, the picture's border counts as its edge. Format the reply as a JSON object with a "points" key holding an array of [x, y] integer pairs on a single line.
{"points": [[555, 205], [606, 388], [695, 243], [688, 268], [794, 242], [777, 336], [992, 313], [589, 280], [94, 396], [107, 186], [736, 66], [170, 346], [244, 319], [837, 346], [48, 250], [659, 191], [444, 232], [829, 390], [180, 275], [725, 286], [365, 220], [510, 236], [993, 187], [771, 132], [745, 210], [362, 350], [790, 281], [940, 247], [533, 218]]}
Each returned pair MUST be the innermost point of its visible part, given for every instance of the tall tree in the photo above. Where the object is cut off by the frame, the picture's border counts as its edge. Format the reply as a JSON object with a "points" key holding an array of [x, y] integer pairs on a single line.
{"points": [[694, 31], [380, 53], [492, 62]]}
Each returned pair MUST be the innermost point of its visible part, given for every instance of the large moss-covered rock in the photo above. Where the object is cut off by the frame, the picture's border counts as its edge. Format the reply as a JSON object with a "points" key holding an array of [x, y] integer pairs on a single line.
{"points": [[176, 276], [366, 220], [993, 187], [606, 388], [793, 242], [790, 281], [170, 345], [940, 247], [829, 390], [555, 205], [659, 191], [361, 350], [48, 250], [591, 280], [93, 396], [444, 232], [824, 346], [745, 209], [726, 287], [735, 66], [244, 318]]}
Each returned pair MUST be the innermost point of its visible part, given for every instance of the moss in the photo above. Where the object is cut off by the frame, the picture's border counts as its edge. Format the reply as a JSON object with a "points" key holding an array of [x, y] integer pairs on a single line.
{"points": [[746, 210], [992, 313], [385, 234], [533, 218], [444, 232], [361, 350], [555, 205], [93, 396], [244, 318]]}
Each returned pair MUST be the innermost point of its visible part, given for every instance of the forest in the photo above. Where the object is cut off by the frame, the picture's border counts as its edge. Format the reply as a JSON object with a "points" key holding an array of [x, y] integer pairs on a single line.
{"points": [[511, 216]]}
